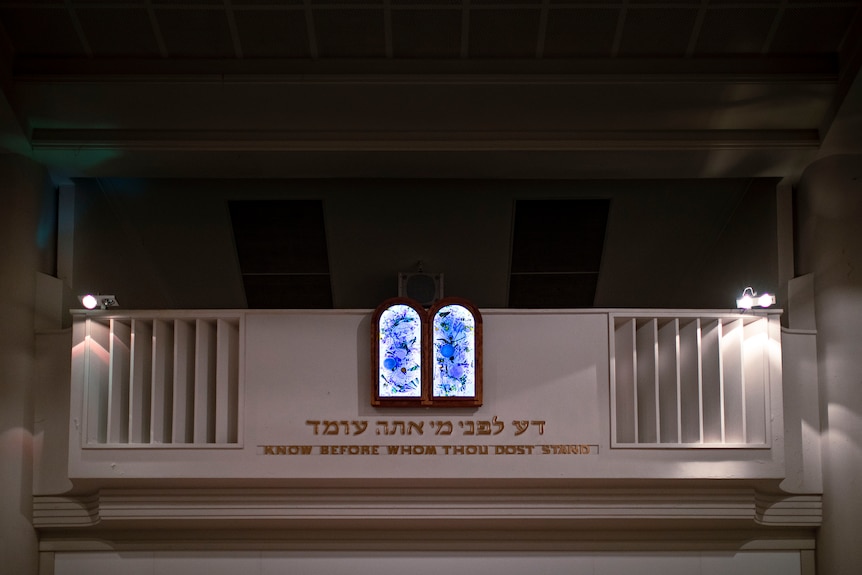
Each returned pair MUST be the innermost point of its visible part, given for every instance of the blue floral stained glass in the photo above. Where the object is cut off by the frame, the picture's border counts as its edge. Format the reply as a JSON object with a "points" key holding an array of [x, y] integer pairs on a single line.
{"points": [[400, 349], [454, 343]]}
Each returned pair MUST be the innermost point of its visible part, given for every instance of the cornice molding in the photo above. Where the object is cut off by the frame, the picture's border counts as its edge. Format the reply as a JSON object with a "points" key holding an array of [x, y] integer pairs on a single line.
{"points": [[259, 508], [66, 512]]}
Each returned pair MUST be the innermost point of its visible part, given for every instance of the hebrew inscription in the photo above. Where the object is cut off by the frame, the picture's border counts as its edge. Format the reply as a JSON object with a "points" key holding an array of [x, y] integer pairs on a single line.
{"points": [[494, 428]]}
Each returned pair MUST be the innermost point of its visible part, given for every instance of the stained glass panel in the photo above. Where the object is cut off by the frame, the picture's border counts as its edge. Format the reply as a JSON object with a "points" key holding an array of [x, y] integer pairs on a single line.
{"points": [[454, 344], [400, 353]]}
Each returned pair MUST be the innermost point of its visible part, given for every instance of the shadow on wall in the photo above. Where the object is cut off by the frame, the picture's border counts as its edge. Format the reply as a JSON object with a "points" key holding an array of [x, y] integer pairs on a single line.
{"points": [[683, 243]]}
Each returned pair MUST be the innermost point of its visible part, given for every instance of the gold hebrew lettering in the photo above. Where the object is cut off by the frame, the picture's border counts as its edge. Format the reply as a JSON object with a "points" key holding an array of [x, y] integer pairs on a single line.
{"points": [[498, 425], [442, 427]]}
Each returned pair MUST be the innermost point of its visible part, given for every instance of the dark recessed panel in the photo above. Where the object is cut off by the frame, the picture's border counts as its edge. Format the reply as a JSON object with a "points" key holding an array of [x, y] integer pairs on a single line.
{"points": [[580, 32], [429, 3], [506, 2], [556, 252], [281, 248], [195, 33], [812, 29], [558, 235], [41, 31], [657, 31], [552, 291], [280, 236], [510, 33], [349, 33], [255, 4], [735, 30], [272, 33], [122, 32], [426, 33]]}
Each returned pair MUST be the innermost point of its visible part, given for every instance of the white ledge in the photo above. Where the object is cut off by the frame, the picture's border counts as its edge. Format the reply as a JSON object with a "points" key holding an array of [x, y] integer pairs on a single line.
{"points": [[157, 508]]}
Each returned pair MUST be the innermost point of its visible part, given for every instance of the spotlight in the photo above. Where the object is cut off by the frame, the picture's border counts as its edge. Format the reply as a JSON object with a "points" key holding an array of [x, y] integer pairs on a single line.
{"points": [[90, 301], [750, 299]]}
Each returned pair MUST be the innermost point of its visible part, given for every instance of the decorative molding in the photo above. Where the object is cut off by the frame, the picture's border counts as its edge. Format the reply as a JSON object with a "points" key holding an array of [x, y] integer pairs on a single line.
{"points": [[68, 512], [798, 510], [503, 508], [447, 540]]}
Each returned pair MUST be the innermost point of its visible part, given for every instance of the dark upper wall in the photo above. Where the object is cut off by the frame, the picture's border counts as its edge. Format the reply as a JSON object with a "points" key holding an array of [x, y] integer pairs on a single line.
{"points": [[169, 244]]}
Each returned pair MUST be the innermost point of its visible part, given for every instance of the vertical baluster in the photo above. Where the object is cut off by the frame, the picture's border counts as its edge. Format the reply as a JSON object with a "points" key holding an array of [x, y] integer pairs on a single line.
{"points": [[161, 419], [647, 381], [98, 338], [204, 382], [227, 383], [184, 375], [755, 362], [141, 381], [733, 381], [670, 409], [700, 378], [624, 382], [713, 394], [118, 382], [690, 395]]}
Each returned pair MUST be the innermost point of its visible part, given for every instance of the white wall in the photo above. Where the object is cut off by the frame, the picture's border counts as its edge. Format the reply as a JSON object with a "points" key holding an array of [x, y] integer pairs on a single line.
{"points": [[426, 563], [830, 247], [22, 185]]}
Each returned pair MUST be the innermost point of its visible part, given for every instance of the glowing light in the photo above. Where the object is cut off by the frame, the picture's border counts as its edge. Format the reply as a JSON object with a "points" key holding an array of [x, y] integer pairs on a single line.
{"points": [[766, 300], [91, 301], [750, 299]]}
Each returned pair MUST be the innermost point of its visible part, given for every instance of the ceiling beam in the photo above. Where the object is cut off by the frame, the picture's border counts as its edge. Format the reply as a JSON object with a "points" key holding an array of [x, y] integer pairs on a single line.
{"points": [[420, 141], [816, 69]]}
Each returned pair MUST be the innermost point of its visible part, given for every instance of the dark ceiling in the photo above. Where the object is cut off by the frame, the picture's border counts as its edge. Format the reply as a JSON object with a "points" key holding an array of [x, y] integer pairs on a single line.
{"points": [[141, 94], [438, 88], [447, 29]]}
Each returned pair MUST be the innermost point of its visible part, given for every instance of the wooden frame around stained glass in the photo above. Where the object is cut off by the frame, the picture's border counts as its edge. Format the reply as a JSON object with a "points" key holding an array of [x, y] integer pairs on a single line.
{"points": [[426, 358]]}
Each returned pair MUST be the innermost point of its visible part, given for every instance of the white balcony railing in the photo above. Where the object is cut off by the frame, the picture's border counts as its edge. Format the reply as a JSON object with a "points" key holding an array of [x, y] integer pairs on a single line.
{"points": [[688, 380], [173, 379], [159, 380]]}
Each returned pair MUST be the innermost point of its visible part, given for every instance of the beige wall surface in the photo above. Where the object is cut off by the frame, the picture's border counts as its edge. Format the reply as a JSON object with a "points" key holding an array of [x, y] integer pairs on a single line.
{"points": [[830, 209], [382, 563]]}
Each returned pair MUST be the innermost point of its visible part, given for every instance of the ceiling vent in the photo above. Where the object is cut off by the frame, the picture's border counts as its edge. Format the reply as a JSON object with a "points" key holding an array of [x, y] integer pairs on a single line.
{"points": [[424, 287]]}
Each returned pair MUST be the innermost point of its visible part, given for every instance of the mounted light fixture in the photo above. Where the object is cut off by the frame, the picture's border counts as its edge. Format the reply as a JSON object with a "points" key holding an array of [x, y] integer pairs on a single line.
{"points": [[750, 299], [103, 301], [424, 287]]}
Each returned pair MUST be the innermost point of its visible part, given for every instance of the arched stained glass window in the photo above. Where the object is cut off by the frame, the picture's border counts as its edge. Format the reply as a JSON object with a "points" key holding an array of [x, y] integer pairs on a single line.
{"points": [[454, 345], [399, 351], [426, 358]]}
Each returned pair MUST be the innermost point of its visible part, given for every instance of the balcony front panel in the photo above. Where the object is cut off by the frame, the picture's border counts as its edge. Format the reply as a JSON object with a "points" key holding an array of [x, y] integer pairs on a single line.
{"points": [[285, 396]]}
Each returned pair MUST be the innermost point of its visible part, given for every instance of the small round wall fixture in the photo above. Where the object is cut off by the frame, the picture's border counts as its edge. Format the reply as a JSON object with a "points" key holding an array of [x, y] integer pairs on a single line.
{"points": [[89, 301], [102, 301]]}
